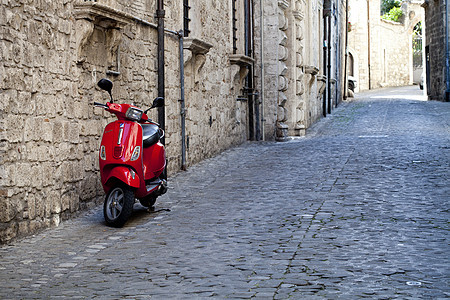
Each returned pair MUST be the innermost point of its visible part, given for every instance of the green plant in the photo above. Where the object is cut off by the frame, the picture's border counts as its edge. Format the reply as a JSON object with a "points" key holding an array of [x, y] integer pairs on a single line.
{"points": [[393, 15], [418, 29], [387, 5]]}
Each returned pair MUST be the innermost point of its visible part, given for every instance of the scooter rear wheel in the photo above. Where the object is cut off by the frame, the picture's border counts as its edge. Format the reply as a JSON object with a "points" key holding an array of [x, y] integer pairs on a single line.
{"points": [[118, 206]]}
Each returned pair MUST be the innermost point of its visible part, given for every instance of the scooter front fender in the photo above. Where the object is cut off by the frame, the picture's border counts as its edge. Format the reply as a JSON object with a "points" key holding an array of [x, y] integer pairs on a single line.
{"points": [[120, 173]]}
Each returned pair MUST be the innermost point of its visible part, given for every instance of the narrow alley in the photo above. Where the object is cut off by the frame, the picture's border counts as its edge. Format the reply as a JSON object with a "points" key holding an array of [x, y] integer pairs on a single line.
{"points": [[357, 208]]}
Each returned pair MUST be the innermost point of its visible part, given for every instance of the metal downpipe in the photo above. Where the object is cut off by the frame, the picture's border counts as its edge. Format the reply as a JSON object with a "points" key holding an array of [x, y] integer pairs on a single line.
{"points": [[325, 45], [160, 13], [182, 105], [346, 52], [368, 43], [447, 58], [329, 64], [261, 25]]}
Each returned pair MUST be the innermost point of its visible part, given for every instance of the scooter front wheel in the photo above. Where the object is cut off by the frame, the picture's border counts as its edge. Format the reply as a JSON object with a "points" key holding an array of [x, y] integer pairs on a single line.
{"points": [[118, 206]]}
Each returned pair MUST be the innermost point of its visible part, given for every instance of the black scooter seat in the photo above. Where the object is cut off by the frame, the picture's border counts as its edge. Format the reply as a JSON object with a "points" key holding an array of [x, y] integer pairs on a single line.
{"points": [[151, 134]]}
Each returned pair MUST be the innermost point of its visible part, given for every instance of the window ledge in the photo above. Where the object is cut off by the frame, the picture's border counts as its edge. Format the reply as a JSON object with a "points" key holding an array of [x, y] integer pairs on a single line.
{"points": [[241, 60], [102, 14], [196, 46]]}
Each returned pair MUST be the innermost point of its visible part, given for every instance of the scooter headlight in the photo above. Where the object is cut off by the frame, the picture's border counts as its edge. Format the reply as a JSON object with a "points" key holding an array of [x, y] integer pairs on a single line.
{"points": [[134, 114], [136, 153]]}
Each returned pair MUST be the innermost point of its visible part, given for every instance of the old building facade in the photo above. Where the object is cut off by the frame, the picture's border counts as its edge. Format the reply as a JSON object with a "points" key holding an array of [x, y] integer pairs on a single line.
{"points": [[249, 70], [300, 36], [381, 51], [437, 53]]}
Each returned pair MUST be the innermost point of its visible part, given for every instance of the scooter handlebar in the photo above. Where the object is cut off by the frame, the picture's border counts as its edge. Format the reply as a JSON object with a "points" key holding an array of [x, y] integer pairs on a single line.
{"points": [[100, 105]]}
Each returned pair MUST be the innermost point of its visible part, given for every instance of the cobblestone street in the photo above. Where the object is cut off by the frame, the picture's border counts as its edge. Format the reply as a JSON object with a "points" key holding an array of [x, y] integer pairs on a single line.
{"points": [[359, 208]]}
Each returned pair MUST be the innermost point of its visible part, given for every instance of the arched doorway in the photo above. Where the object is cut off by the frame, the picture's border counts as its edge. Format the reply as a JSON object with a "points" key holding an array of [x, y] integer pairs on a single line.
{"points": [[351, 65]]}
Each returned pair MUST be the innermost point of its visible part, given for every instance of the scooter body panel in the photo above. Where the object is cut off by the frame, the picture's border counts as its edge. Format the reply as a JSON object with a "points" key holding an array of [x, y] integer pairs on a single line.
{"points": [[119, 142], [154, 161], [112, 174]]}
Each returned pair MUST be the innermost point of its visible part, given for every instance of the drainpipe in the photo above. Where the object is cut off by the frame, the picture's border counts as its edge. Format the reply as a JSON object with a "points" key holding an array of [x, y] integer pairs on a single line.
{"points": [[325, 45], [261, 25], [368, 40], [161, 85], [447, 58], [182, 105], [248, 48], [338, 62], [256, 98], [329, 63], [346, 50]]}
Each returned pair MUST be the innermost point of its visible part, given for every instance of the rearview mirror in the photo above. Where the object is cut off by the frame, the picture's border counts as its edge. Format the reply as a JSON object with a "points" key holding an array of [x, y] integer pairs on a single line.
{"points": [[105, 84], [158, 102]]}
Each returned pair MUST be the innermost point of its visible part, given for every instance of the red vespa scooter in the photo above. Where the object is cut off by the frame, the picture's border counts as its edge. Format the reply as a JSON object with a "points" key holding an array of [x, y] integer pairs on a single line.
{"points": [[132, 159]]}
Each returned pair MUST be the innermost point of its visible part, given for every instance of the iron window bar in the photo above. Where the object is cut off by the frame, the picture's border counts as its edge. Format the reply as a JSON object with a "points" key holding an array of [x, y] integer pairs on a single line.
{"points": [[186, 18], [234, 23]]}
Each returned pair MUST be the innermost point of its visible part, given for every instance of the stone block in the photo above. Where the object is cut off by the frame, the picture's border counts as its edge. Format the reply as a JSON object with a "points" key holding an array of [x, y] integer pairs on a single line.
{"points": [[6, 211], [88, 188], [40, 204], [31, 205], [90, 128], [71, 131], [67, 172], [57, 131], [65, 202], [8, 232], [38, 129], [14, 128], [36, 176], [22, 174]]}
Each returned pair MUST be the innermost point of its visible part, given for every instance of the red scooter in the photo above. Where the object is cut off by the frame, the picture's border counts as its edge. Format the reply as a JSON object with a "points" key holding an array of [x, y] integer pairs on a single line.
{"points": [[132, 159]]}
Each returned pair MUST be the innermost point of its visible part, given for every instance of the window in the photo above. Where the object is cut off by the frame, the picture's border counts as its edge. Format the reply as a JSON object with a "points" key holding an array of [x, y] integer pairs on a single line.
{"points": [[186, 19]]}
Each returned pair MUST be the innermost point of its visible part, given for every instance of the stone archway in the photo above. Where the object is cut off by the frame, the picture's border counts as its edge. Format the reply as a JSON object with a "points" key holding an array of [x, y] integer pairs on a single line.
{"points": [[414, 25]]}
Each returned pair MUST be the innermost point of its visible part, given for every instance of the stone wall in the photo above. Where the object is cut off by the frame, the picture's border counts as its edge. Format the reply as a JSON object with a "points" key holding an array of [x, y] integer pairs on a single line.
{"points": [[215, 119], [54, 52], [435, 41], [389, 52], [294, 80]]}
